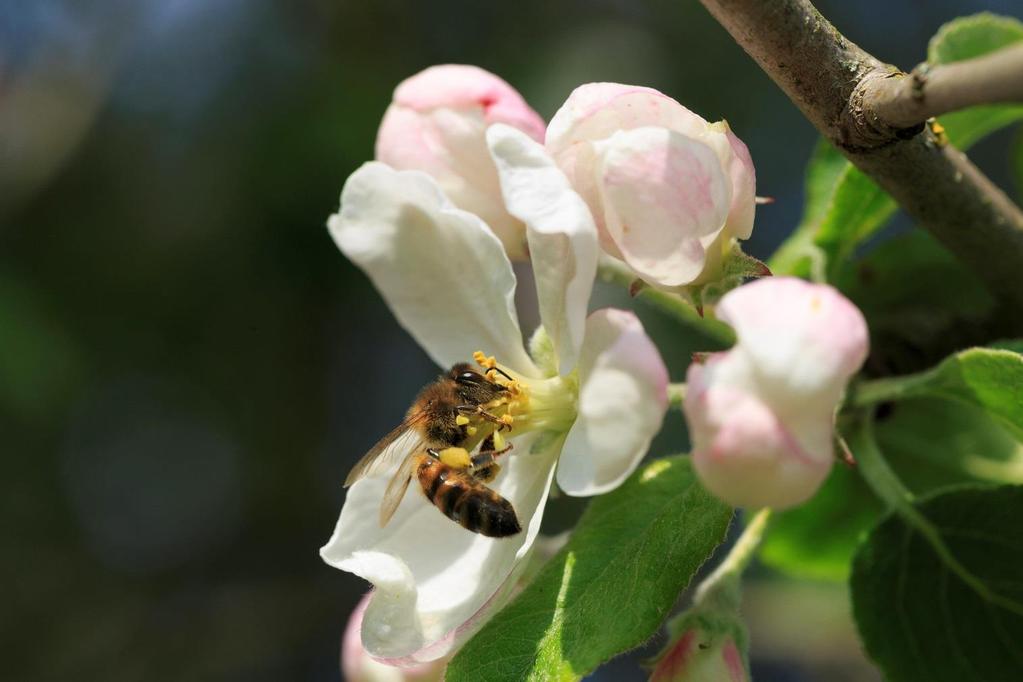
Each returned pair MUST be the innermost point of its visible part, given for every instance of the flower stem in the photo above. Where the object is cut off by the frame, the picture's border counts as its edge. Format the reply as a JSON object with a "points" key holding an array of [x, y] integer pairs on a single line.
{"points": [[676, 394], [873, 391], [722, 586], [877, 473], [720, 333]]}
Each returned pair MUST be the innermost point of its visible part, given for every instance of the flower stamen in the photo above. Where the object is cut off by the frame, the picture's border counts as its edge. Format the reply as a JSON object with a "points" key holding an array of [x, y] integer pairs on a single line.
{"points": [[528, 404]]}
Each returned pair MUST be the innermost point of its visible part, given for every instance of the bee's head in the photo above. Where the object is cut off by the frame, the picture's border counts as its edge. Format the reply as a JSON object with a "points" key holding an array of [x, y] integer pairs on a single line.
{"points": [[474, 387]]}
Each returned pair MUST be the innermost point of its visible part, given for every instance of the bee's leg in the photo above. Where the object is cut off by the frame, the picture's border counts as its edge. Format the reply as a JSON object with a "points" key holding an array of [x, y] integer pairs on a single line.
{"points": [[499, 371], [484, 462], [476, 410], [485, 472], [489, 447]]}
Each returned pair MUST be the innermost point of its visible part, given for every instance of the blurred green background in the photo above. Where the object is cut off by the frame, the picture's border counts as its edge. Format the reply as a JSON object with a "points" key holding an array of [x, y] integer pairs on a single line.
{"points": [[188, 367]]}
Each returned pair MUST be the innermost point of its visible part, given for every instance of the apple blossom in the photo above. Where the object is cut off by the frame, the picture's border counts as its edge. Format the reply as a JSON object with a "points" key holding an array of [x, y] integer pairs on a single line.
{"points": [[761, 415], [595, 387], [436, 124], [670, 192], [699, 655]]}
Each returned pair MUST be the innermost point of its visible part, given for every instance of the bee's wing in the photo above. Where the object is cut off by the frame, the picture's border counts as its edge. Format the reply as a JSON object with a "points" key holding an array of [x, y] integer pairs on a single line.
{"points": [[396, 488], [390, 451]]}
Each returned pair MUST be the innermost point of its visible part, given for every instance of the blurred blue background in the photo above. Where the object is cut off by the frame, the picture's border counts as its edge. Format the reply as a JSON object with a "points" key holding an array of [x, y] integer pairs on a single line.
{"points": [[188, 367]]}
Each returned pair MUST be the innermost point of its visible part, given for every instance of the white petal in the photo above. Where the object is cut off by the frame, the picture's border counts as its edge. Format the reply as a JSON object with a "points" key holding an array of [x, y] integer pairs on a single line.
{"points": [[435, 581], [445, 276], [803, 340], [622, 401], [561, 234]]}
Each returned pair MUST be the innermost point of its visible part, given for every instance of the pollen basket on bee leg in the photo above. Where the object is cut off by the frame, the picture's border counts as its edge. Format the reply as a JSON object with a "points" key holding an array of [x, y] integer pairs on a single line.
{"points": [[455, 457]]}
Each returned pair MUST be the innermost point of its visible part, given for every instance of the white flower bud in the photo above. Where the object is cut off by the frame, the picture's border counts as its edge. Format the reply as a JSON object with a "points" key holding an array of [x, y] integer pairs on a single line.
{"points": [[437, 124], [670, 192], [761, 415]]}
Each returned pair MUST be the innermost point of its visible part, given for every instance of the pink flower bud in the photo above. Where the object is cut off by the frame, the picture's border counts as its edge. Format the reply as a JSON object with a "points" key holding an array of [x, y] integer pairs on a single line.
{"points": [[358, 666], [669, 191], [761, 415], [698, 656], [437, 123]]}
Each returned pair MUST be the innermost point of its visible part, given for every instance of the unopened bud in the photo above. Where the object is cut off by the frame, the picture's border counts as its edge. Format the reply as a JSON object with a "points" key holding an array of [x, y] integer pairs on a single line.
{"points": [[761, 415], [437, 124]]}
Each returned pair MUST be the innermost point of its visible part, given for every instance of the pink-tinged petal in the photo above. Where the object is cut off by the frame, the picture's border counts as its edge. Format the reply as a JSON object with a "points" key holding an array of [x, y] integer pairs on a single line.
{"points": [[622, 401], [699, 656], [462, 86], [744, 188], [742, 451], [598, 110], [444, 275], [674, 663], [561, 233], [661, 193], [358, 666], [761, 415], [449, 146], [733, 662], [803, 339], [437, 124], [577, 138], [436, 583]]}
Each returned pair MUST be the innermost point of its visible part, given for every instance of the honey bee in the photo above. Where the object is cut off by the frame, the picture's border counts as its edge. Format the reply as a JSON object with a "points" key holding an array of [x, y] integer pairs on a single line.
{"points": [[447, 420]]}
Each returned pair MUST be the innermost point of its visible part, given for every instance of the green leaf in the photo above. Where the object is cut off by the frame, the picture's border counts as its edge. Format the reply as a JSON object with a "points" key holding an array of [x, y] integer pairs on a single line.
{"points": [[817, 540], [933, 443], [825, 171], [917, 320], [1015, 345], [611, 586], [858, 209], [802, 254], [930, 443], [988, 378], [879, 284], [966, 38], [939, 597], [843, 207]]}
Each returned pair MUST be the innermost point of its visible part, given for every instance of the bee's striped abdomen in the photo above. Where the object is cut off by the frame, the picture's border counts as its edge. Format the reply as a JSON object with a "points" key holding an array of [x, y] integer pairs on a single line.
{"points": [[466, 501]]}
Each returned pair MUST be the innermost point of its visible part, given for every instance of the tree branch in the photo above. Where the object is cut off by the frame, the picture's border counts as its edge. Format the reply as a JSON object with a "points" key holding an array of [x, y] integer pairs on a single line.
{"points": [[903, 101], [821, 72]]}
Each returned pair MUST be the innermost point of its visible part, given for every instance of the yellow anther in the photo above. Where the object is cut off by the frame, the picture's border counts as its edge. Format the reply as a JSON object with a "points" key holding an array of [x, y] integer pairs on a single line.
{"points": [[507, 419], [483, 361], [498, 441], [461, 420], [455, 457], [471, 430]]}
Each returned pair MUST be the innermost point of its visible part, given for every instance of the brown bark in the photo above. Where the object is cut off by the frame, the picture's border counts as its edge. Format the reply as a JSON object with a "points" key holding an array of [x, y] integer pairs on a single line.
{"points": [[827, 77], [909, 99]]}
